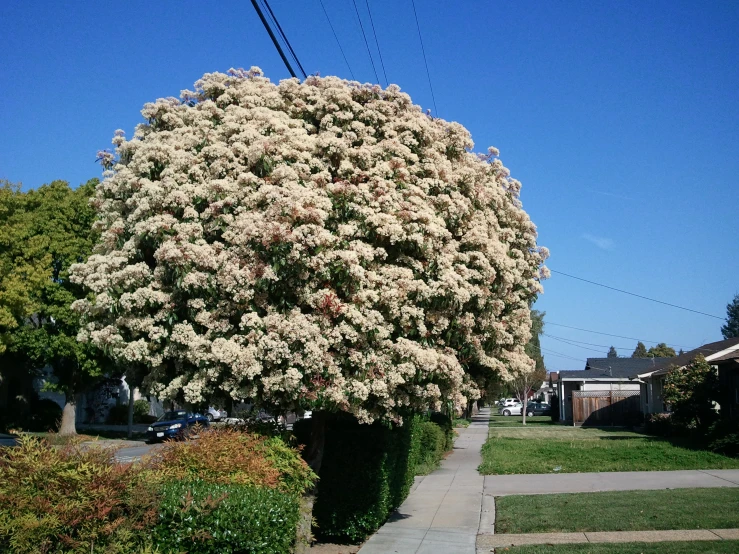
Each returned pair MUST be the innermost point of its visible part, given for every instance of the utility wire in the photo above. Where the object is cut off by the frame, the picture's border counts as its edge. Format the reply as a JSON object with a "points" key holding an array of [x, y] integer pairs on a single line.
{"points": [[365, 42], [637, 295], [337, 39], [617, 336], [284, 37], [273, 37], [382, 63], [423, 50], [577, 342], [565, 341]]}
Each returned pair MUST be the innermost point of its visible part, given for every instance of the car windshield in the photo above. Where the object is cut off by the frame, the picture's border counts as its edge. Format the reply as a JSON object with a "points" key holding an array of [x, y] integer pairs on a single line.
{"points": [[176, 414]]}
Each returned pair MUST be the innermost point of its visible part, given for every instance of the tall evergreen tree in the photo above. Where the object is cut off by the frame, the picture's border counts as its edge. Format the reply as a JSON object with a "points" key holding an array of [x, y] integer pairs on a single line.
{"points": [[533, 347], [731, 329], [612, 352], [640, 351]]}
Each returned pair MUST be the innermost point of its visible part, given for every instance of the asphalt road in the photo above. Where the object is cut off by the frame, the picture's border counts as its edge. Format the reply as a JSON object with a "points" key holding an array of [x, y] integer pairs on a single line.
{"points": [[135, 453]]}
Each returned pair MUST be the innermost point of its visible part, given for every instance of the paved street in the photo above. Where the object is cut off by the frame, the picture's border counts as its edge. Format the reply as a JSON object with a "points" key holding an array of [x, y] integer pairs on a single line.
{"points": [[134, 453], [442, 514]]}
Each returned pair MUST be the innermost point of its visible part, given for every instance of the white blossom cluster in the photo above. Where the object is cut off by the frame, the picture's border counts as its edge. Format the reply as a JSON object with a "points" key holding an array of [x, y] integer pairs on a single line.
{"points": [[322, 244]]}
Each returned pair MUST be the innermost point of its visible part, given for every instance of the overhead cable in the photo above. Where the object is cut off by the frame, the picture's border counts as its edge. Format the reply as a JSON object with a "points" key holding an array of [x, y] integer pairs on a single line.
{"points": [[365, 42], [273, 37], [284, 37], [337, 40], [423, 50], [379, 51], [634, 294]]}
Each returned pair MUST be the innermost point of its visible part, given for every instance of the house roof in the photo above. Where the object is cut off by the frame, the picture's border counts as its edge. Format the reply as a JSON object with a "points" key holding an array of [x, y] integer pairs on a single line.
{"points": [[726, 348], [620, 367], [553, 377]]}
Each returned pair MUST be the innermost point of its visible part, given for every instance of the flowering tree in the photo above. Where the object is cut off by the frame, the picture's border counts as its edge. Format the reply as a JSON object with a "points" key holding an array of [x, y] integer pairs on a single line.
{"points": [[320, 245]]}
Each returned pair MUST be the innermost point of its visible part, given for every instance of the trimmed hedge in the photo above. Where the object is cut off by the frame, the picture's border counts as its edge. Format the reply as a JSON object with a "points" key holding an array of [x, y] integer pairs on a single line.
{"points": [[209, 518], [430, 446], [368, 470], [366, 473]]}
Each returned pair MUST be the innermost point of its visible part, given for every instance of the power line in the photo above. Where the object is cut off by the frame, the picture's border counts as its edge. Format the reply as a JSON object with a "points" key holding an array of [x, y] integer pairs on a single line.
{"points": [[555, 353], [611, 335], [634, 294], [565, 341], [273, 37], [365, 41], [578, 342], [284, 37], [423, 50], [377, 42], [337, 40]]}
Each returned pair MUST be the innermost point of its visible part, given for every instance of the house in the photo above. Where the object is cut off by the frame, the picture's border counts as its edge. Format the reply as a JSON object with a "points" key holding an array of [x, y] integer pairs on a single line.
{"points": [[722, 355], [546, 391], [604, 393]]}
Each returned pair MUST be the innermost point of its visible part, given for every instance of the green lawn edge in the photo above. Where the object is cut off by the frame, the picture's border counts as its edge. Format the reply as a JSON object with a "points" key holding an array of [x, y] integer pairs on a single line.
{"points": [[672, 547], [654, 510]]}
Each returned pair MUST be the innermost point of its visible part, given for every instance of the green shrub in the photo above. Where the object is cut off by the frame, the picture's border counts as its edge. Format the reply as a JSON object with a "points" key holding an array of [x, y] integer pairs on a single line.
{"points": [[723, 437], [118, 414], [209, 518], [366, 474], [229, 456], [56, 500], [432, 443], [661, 425], [447, 426], [554, 403]]}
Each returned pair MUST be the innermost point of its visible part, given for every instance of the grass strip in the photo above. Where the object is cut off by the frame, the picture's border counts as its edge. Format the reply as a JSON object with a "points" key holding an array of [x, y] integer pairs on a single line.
{"points": [[506, 456], [716, 508], [674, 547]]}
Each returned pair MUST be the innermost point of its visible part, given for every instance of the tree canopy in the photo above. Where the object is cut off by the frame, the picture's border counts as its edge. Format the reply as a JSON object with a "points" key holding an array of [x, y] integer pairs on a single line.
{"points": [[731, 328], [661, 351], [612, 352], [44, 232], [640, 351], [321, 245]]}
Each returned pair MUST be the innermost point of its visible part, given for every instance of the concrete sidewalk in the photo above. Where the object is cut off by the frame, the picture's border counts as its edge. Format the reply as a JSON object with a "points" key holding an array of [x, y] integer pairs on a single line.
{"points": [[442, 514], [486, 542], [550, 483]]}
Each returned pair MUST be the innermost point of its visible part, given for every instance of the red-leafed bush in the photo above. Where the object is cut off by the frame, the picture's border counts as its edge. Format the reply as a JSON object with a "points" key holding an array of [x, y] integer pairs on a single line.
{"points": [[73, 500]]}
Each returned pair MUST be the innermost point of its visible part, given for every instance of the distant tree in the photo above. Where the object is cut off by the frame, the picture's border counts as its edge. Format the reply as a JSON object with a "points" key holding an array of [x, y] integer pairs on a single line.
{"points": [[691, 392], [523, 384], [661, 351], [612, 353], [533, 347], [640, 351], [731, 329], [681, 352]]}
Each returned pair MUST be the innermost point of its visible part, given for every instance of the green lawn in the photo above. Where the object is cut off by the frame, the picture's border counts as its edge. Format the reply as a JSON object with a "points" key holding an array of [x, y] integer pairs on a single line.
{"points": [[558, 448], [618, 511], [515, 421], [687, 547]]}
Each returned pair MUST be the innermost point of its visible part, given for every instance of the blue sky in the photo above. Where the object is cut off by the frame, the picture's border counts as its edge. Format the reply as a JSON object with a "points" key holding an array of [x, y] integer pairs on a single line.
{"points": [[620, 118]]}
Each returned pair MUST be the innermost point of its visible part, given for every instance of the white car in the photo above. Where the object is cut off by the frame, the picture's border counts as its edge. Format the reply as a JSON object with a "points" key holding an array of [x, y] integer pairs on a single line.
{"points": [[215, 415], [510, 409]]}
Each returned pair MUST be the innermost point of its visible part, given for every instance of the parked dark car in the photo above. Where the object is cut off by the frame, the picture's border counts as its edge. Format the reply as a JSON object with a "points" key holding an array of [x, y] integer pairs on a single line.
{"points": [[538, 408], [173, 425]]}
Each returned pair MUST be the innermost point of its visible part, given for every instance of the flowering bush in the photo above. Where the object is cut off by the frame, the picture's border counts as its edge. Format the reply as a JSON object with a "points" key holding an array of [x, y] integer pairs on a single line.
{"points": [[316, 245]]}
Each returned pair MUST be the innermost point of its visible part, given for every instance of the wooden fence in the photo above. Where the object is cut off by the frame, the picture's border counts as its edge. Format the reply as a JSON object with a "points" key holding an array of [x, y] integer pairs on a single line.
{"points": [[605, 408]]}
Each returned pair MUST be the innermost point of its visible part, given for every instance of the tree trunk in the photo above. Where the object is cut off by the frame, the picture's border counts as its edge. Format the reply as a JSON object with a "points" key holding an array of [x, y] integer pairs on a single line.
{"points": [[130, 411], [314, 458], [69, 414]]}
